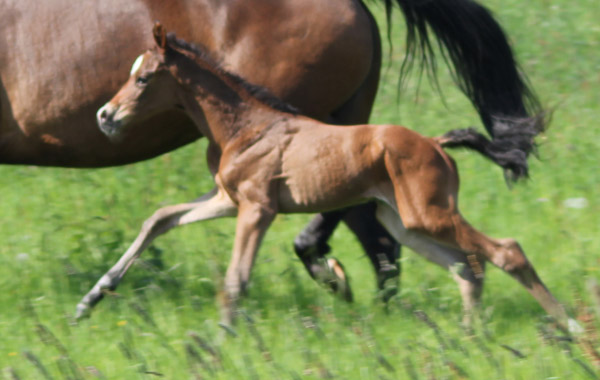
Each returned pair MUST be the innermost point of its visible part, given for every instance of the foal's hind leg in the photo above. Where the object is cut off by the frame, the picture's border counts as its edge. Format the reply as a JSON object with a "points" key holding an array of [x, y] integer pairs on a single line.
{"points": [[446, 226], [214, 204], [468, 272], [508, 256]]}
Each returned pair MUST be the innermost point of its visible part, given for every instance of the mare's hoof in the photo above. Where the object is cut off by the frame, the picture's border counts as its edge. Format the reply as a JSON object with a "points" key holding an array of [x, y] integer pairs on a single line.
{"points": [[330, 273], [339, 282], [387, 282]]}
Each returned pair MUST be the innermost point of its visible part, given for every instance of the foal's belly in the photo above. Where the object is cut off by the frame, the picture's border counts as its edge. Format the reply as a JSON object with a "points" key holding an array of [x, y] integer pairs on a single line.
{"points": [[316, 195]]}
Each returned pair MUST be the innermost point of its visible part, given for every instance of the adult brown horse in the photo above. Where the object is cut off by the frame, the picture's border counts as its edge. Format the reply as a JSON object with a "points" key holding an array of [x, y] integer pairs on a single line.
{"points": [[60, 60], [267, 160]]}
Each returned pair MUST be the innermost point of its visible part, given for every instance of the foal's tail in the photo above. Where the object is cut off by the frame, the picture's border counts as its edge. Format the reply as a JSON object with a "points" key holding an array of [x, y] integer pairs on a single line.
{"points": [[512, 159]]}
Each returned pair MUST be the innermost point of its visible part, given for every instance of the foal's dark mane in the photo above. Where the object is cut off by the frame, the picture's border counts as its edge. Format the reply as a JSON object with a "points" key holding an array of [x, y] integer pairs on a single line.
{"points": [[201, 55]]}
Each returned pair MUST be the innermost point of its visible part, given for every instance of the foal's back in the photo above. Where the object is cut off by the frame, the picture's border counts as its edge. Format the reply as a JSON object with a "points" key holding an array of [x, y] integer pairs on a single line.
{"points": [[328, 167]]}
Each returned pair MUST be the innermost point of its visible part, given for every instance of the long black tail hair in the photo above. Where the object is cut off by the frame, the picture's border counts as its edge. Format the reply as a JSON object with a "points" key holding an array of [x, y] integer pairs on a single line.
{"points": [[484, 67]]}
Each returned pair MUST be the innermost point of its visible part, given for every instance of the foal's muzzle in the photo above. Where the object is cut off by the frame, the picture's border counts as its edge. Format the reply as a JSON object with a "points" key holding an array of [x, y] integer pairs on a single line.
{"points": [[109, 125]]}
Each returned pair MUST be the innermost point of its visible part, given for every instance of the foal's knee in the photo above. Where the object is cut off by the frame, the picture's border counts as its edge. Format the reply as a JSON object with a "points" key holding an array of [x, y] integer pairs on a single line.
{"points": [[158, 221]]}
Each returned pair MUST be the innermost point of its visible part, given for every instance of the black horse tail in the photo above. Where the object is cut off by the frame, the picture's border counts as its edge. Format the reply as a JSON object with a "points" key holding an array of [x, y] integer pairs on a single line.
{"points": [[513, 161], [483, 65]]}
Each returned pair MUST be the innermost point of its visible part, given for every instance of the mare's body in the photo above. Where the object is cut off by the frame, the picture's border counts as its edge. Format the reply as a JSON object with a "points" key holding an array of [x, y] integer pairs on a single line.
{"points": [[267, 161]]}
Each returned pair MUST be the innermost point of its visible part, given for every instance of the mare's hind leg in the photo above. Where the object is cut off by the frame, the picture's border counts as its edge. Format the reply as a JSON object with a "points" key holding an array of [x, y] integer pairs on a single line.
{"points": [[468, 272], [214, 204], [381, 248]]}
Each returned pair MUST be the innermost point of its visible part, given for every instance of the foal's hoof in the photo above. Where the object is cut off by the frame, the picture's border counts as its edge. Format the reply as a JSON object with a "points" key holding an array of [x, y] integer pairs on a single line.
{"points": [[82, 311], [574, 327]]}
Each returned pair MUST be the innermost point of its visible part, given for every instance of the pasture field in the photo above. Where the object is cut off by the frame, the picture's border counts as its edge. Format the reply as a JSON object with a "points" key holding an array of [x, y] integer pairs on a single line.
{"points": [[60, 230]]}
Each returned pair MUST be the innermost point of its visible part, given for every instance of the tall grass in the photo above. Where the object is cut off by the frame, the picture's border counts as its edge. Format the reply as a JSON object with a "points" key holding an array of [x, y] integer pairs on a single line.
{"points": [[61, 229]]}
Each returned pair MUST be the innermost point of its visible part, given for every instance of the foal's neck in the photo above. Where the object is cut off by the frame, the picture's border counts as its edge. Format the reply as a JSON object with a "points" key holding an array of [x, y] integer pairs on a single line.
{"points": [[220, 106]]}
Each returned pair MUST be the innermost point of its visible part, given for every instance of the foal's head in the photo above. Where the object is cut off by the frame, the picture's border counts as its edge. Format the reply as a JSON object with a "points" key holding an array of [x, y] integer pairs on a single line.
{"points": [[158, 80], [150, 89]]}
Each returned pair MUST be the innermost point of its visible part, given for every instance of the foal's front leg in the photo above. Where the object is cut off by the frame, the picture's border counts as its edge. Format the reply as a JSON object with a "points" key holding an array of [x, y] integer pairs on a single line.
{"points": [[252, 223], [214, 204]]}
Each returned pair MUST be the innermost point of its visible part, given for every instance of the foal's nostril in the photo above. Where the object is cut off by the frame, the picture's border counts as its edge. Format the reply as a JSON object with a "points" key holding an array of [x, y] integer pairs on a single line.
{"points": [[104, 115]]}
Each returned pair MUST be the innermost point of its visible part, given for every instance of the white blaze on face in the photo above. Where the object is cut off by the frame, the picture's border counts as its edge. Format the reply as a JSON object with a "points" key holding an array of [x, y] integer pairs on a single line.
{"points": [[136, 65]]}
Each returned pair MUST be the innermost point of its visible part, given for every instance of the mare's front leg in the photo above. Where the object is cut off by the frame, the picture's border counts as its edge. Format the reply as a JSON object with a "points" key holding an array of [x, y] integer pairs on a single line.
{"points": [[214, 204], [252, 223], [311, 247]]}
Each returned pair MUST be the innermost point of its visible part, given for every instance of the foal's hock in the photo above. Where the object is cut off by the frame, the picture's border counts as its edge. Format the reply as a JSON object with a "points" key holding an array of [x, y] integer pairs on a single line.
{"points": [[266, 160]]}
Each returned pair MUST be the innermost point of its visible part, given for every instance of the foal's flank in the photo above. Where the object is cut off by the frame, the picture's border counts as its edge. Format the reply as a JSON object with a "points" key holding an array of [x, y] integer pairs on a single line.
{"points": [[267, 161]]}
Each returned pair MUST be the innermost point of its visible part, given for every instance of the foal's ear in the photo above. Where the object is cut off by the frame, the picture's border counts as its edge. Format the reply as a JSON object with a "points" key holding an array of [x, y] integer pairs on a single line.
{"points": [[160, 35]]}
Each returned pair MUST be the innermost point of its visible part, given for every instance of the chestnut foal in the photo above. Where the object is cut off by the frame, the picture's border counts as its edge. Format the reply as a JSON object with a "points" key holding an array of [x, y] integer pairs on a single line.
{"points": [[266, 159]]}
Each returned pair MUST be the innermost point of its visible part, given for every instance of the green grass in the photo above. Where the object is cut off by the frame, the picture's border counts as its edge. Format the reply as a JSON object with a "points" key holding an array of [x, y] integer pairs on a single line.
{"points": [[61, 229]]}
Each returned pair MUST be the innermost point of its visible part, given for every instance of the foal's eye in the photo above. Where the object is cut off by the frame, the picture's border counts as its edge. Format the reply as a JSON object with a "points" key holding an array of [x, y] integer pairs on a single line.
{"points": [[142, 80]]}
